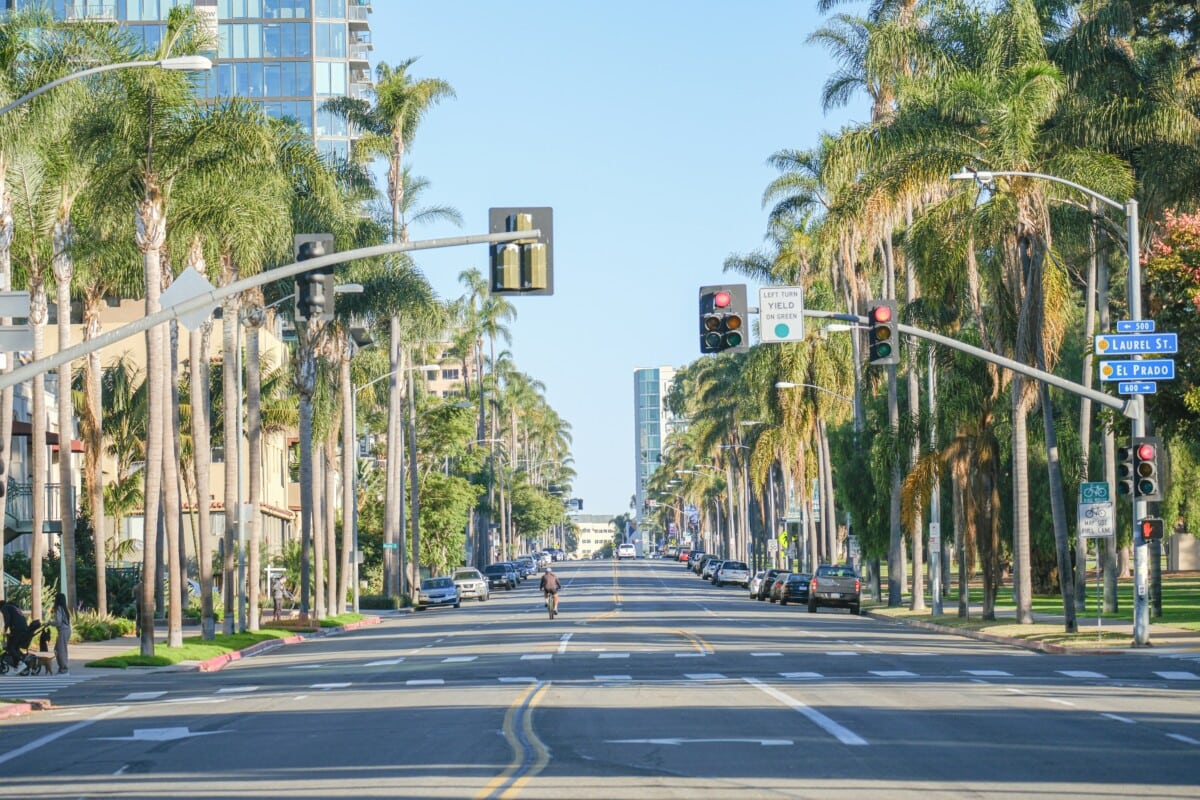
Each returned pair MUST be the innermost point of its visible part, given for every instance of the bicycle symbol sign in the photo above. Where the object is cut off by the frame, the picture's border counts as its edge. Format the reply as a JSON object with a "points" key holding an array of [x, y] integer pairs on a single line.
{"points": [[1095, 521], [1093, 492]]}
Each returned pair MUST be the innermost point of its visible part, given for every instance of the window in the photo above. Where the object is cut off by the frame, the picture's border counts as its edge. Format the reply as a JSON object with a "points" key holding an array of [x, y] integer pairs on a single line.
{"points": [[330, 78], [331, 39], [450, 374], [331, 8]]}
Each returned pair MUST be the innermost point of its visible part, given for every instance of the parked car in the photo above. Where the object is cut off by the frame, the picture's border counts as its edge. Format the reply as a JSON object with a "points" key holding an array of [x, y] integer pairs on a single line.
{"points": [[471, 584], [626, 550], [437, 592], [796, 589], [835, 587], [685, 555], [764, 589], [710, 566], [527, 563], [501, 576], [732, 572], [776, 590], [699, 561], [756, 583]]}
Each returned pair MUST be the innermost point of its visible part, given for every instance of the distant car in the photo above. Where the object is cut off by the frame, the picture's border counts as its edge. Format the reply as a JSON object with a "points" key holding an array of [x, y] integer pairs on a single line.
{"points": [[437, 592], [776, 590], [501, 576], [685, 555], [471, 584], [764, 589], [756, 583], [710, 566], [701, 564], [795, 590], [626, 551], [835, 586], [732, 572]]}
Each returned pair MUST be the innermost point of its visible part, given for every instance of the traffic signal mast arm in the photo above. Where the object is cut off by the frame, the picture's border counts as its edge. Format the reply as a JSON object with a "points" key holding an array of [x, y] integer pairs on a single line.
{"points": [[212, 299], [1127, 407]]}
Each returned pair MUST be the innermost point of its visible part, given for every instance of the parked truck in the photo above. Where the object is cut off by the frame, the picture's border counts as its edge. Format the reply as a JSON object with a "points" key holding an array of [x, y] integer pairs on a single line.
{"points": [[835, 587]]}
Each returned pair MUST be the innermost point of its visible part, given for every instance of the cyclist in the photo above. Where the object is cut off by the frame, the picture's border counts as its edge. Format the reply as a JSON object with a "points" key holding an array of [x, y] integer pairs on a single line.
{"points": [[550, 586]]}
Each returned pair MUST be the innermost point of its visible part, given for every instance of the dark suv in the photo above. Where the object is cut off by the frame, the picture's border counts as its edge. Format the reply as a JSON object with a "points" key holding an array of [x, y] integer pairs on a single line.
{"points": [[500, 576]]}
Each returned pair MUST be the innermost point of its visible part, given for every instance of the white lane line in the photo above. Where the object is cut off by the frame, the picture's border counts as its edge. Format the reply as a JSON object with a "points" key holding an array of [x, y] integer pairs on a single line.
{"points": [[426, 682], [918, 654], [988, 673], [1179, 737], [1081, 673], [562, 644], [142, 696], [1179, 676], [804, 675], [537, 656], [327, 686], [893, 673], [458, 659], [704, 676], [1061, 702], [841, 733], [238, 690], [1118, 718], [1014, 690], [50, 737], [518, 679], [306, 666], [614, 655], [690, 655], [765, 655], [388, 662], [613, 677], [841, 653]]}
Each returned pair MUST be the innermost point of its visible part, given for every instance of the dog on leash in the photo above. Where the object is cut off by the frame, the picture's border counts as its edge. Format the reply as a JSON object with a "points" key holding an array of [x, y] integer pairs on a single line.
{"points": [[40, 663]]}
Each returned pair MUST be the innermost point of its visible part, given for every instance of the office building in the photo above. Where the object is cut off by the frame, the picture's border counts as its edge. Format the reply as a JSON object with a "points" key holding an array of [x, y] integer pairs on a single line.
{"points": [[652, 424]]}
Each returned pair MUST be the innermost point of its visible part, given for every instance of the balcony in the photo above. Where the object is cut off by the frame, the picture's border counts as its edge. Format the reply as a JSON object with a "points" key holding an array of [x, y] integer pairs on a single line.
{"points": [[358, 52], [357, 15], [18, 510]]}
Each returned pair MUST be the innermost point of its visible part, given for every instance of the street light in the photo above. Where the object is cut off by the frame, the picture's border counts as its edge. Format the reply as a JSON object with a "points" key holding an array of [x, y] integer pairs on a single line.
{"points": [[178, 63], [1141, 608], [790, 385]]}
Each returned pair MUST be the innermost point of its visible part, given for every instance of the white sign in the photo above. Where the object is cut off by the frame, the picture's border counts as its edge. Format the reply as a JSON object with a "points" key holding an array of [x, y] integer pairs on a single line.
{"points": [[772, 546], [1096, 521], [935, 536], [781, 314]]}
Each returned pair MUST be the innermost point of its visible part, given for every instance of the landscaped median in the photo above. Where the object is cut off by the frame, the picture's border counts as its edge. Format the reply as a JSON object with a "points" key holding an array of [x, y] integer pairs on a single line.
{"points": [[213, 654]]}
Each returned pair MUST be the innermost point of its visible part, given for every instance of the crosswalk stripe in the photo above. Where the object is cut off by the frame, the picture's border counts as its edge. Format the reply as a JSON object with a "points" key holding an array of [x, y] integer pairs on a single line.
{"points": [[458, 659], [704, 676], [801, 675], [426, 682], [1080, 673], [893, 673], [1178, 676], [988, 673]]}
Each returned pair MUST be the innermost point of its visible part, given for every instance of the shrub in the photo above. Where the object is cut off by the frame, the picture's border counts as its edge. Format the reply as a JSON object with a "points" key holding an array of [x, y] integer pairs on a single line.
{"points": [[378, 601], [88, 626]]}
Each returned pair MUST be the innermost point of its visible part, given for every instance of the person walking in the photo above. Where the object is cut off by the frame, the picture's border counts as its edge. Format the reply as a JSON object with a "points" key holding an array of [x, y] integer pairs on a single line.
{"points": [[277, 596], [62, 624]]}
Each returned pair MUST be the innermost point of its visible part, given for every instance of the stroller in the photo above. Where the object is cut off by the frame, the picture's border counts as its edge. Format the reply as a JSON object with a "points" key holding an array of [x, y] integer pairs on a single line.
{"points": [[18, 636]]}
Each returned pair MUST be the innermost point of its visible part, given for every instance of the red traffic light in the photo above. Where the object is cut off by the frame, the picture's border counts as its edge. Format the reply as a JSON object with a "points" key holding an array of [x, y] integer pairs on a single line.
{"points": [[722, 299], [1145, 452], [881, 314]]}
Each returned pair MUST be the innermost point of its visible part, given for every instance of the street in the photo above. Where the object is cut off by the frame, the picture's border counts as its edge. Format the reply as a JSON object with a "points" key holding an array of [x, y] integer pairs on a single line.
{"points": [[650, 683]]}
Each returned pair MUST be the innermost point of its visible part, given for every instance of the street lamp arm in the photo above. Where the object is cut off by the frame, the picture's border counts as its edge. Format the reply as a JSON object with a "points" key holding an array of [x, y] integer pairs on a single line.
{"points": [[985, 176], [790, 385], [190, 63]]}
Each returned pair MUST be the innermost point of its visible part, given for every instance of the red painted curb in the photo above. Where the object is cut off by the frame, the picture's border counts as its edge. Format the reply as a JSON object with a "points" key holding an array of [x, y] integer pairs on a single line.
{"points": [[15, 710], [217, 663]]}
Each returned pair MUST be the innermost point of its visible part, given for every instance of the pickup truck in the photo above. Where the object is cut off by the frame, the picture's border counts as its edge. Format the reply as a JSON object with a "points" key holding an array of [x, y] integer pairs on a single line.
{"points": [[835, 587]]}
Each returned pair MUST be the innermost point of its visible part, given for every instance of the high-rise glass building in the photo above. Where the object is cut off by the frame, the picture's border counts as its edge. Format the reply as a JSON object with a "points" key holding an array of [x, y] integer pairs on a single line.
{"points": [[289, 55], [652, 424]]}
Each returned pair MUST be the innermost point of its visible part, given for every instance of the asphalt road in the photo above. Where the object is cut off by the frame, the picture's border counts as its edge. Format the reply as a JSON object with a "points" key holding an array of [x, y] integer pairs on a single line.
{"points": [[650, 684]]}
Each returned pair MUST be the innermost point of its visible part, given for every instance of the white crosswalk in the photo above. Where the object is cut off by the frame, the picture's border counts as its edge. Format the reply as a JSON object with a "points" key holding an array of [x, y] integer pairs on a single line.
{"points": [[38, 685]]}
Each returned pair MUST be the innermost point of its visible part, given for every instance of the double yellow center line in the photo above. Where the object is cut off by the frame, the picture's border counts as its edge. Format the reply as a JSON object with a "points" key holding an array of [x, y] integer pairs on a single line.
{"points": [[530, 755]]}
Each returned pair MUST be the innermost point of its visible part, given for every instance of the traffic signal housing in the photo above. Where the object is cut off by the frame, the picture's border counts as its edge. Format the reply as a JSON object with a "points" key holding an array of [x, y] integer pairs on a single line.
{"points": [[1150, 529], [314, 289], [1147, 451], [883, 333], [1125, 471], [724, 321], [524, 266]]}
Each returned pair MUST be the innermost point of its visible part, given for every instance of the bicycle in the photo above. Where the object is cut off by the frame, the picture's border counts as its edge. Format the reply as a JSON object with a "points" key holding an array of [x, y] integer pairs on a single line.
{"points": [[552, 603]]}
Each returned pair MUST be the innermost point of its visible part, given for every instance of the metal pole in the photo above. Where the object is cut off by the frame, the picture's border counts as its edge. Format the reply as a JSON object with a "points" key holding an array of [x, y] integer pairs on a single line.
{"points": [[1141, 609], [354, 509], [935, 499], [241, 509]]}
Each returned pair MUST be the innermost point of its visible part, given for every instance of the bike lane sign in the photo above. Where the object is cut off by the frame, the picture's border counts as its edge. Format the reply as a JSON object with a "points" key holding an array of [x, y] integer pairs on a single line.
{"points": [[1097, 518]]}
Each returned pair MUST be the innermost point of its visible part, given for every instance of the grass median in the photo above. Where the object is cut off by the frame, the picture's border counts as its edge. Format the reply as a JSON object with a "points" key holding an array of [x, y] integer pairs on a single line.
{"points": [[195, 648]]}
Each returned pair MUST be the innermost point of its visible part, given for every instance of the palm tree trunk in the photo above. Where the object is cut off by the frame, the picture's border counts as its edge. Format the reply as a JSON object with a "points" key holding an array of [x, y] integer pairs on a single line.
{"points": [[171, 497], [64, 270], [315, 487], [6, 395], [1110, 441], [151, 234], [1022, 580], [414, 475], [201, 462], [393, 491], [1085, 404], [254, 321], [349, 456], [332, 606], [305, 381], [93, 410]]}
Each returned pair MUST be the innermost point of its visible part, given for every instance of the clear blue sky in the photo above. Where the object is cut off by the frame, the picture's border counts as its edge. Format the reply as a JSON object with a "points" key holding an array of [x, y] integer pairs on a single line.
{"points": [[646, 126]]}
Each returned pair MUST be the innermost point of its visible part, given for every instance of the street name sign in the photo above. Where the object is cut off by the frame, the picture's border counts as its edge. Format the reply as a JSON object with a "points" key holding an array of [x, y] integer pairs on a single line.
{"points": [[1137, 344], [1137, 387], [1135, 326], [781, 314], [1151, 369]]}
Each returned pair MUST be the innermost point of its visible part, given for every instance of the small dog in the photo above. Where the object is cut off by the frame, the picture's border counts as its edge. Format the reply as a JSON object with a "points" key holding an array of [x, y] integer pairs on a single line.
{"points": [[40, 663]]}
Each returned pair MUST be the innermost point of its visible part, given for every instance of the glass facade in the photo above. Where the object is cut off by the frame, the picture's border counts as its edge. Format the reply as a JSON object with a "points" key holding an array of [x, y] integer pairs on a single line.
{"points": [[652, 423], [288, 55]]}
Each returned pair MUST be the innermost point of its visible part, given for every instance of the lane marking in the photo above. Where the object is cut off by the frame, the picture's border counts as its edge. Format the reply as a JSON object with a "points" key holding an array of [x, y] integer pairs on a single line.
{"points": [[801, 675], [1179, 737], [676, 742], [1118, 718], [530, 740], [841, 733], [1179, 676], [765, 655], [142, 696], [328, 686], [698, 642], [388, 662], [1061, 702], [562, 643], [690, 655], [613, 677], [614, 655], [521, 743], [425, 682], [893, 673], [1081, 673], [842, 653], [537, 656], [704, 676], [988, 673], [517, 679], [458, 659], [239, 689], [50, 737]]}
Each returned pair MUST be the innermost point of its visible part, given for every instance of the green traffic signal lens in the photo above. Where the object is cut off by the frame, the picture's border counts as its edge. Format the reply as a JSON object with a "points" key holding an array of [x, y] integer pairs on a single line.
{"points": [[1147, 487], [712, 340], [882, 350], [733, 339]]}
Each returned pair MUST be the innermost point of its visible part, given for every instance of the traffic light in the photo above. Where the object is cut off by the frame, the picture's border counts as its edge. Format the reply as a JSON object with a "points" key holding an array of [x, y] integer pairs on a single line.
{"points": [[1147, 483], [1150, 529], [524, 266], [1125, 471], [723, 319], [884, 338], [314, 289]]}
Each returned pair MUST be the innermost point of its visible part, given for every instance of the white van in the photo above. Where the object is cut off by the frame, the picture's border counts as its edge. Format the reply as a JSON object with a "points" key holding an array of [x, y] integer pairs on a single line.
{"points": [[626, 551]]}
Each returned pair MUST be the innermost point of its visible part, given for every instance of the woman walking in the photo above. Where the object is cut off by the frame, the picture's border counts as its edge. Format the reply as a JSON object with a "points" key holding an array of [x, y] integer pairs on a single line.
{"points": [[62, 622]]}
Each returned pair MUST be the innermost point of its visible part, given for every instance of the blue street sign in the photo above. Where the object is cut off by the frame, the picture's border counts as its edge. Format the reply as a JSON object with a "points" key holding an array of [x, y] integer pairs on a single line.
{"points": [[1137, 387], [1137, 344], [1160, 369], [1135, 326]]}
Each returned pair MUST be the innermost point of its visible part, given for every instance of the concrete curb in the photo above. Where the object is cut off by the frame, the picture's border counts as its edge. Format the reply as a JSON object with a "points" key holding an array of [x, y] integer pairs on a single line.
{"points": [[217, 663], [1027, 644]]}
